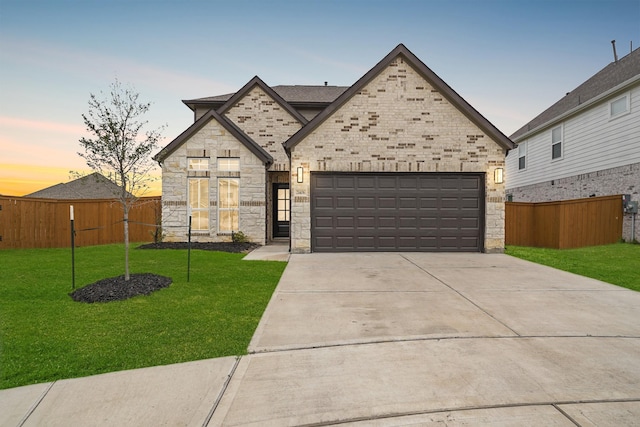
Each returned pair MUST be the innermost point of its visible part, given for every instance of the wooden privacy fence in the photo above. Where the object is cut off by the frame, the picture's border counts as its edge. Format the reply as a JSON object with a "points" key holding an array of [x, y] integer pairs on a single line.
{"points": [[45, 223], [564, 224]]}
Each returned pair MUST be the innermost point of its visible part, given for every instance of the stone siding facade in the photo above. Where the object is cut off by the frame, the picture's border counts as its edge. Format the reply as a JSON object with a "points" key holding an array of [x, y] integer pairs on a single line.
{"points": [[397, 123], [607, 182], [213, 141], [266, 122]]}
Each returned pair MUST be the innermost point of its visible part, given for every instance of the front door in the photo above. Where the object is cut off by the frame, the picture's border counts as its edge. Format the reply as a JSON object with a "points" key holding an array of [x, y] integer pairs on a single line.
{"points": [[281, 210]]}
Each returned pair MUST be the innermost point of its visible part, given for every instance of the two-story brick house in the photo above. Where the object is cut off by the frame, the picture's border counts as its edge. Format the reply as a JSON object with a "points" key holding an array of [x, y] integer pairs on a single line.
{"points": [[396, 162]]}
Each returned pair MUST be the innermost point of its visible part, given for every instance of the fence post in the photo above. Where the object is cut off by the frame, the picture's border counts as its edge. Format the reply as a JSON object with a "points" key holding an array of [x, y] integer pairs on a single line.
{"points": [[73, 246]]}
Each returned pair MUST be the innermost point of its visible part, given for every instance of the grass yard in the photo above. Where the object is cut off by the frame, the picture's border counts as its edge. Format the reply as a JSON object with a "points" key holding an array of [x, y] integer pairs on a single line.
{"points": [[45, 335], [618, 263]]}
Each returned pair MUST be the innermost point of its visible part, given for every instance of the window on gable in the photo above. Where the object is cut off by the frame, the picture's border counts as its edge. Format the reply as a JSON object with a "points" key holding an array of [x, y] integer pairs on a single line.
{"points": [[522, 156], [198, 164], [228, 164], [619, 106], [556, 142]]}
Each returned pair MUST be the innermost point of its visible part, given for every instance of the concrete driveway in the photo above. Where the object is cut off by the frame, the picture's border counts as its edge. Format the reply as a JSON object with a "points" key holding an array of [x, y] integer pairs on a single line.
{"points": [[422, 339], [386, 340]]}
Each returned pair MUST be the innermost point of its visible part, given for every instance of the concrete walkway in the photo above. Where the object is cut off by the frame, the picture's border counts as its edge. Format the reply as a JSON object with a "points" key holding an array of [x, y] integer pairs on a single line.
{"points": [[386, 340]]}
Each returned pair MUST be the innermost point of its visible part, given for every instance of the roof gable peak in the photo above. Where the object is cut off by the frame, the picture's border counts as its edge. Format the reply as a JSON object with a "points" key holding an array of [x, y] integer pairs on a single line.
{"points": [[248, 87], [401, 50]]}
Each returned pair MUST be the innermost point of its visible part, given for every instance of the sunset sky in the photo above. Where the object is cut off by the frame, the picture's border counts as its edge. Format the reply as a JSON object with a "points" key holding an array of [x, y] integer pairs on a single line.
{"points": [[509, 59]]}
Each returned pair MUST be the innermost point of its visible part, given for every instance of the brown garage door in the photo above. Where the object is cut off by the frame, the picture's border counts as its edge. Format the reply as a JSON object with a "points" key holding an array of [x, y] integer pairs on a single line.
{"points": [[397, 212]]}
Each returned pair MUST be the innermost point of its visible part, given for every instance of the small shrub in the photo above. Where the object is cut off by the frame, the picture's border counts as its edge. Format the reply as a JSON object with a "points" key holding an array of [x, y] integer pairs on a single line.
{"points": [[239, 237]]}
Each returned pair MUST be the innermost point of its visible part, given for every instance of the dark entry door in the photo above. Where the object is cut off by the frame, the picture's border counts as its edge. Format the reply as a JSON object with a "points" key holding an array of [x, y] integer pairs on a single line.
{"points": [[281, 210]]}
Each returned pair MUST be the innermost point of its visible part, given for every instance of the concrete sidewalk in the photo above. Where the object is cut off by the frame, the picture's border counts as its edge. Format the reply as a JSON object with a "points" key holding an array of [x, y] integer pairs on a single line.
{"points": [[385, 340]]}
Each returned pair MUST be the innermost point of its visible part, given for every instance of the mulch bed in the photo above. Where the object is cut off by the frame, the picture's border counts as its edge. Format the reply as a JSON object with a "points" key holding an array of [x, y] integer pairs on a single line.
{"points": [[205, 246], [117, 289]]}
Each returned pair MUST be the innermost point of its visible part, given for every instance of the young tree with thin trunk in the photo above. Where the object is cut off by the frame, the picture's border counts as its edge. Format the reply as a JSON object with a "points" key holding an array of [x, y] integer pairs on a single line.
{"points": [[119, 147]]}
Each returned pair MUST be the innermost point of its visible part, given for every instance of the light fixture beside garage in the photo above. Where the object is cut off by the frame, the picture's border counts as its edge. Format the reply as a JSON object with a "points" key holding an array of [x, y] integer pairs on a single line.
{"points": [[300, 177], [498, 175]]}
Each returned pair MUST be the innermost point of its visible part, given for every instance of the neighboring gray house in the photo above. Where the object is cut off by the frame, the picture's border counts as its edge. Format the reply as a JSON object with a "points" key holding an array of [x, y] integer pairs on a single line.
{"points": [[89, 187], [586, 144], [396, 162]]}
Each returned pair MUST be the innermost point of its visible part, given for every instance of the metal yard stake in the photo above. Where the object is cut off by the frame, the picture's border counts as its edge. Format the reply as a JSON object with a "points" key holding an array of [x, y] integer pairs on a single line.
{"points": [[189, 252], [73, 255]]}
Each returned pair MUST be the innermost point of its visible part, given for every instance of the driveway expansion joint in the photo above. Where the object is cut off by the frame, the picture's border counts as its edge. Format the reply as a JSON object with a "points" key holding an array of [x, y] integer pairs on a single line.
{"points": [[469, 408]]}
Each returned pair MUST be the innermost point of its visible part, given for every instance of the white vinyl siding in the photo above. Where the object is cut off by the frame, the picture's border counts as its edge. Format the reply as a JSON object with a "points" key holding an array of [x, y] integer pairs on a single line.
{"points": [[591, 141]]}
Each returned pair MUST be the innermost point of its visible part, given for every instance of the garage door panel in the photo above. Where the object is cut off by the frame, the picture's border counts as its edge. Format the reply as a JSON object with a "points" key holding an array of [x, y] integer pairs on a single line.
{"points": [[387, 202], [324, 202], [397, 212], [366, 202], [345, 202], [325, 222]]}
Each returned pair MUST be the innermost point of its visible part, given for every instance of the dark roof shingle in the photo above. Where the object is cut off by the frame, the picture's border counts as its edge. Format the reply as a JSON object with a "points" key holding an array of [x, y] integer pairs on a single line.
{"points": [[93, 186], [291, 94], [604, 80]]}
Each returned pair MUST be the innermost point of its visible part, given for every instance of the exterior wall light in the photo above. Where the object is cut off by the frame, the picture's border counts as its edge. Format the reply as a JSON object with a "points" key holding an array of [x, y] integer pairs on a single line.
{"points": [[300, 177], [498, 175]]}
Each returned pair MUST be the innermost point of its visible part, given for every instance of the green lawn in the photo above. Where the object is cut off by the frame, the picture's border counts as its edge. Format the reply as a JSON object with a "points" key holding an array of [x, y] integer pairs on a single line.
{"points": [[618, 263], [45, 335]]}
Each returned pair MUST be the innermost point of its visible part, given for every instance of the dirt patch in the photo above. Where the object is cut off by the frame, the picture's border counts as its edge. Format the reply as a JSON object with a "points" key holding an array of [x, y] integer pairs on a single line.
{"points": [[117, 289]]}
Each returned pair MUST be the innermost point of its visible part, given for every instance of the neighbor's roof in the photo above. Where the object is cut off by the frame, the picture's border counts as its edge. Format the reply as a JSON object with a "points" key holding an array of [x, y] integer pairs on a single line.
{"points": [[93, 186], [614, 74], [452, 96], [291, 94]]}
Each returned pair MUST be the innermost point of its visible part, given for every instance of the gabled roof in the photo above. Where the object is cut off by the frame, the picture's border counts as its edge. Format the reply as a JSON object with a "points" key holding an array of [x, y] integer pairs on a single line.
{"points": [[256, 81], [600, 84], [453, 97], [256, 149], [93, 186], [296, 96]]}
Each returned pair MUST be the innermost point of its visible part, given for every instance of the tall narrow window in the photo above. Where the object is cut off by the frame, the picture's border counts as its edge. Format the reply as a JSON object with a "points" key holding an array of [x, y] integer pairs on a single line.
{"points": [[522, 155], [198, 172], [556, 142], [228, 203], [199, 203]]}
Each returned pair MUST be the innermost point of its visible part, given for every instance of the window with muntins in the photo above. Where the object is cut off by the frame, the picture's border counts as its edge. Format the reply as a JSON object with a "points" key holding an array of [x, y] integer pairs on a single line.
{"points": [[199, 203], [198, 164], [522, 156], [228, 204], [556, 142], [228, 164]]}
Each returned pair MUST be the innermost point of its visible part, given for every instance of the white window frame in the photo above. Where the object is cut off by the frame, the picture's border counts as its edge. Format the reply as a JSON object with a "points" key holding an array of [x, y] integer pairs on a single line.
{"points": [[223, 208], [198, 163], [228, 164], [560, 129], [202, 205], [522, 153], [626, 101]]}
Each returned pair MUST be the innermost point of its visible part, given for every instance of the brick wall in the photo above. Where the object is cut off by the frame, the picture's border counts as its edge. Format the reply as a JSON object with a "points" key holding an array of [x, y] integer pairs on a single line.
{"points": [[399, 123], [213, 141], [266, 122], [619, 180]]}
